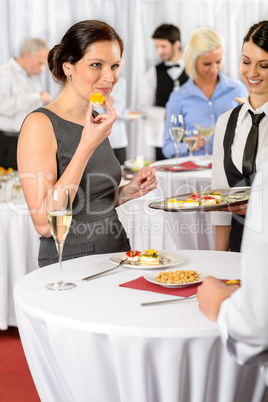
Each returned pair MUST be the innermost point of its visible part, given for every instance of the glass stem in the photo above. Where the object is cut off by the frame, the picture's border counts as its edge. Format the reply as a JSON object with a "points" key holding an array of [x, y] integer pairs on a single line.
{"points": [[177, 154], [60, 248], [206, 148]]}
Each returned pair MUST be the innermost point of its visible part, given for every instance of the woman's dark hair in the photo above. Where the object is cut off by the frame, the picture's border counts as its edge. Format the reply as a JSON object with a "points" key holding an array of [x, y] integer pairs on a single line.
{"points": [[258, 34], [74, 43]]}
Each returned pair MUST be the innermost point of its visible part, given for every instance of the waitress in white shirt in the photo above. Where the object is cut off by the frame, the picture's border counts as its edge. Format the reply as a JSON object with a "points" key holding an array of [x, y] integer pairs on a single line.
{"points": [[236, 154]]}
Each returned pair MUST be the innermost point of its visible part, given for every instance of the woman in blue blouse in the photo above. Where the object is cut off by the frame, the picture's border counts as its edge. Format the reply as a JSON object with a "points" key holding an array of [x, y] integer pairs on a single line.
{"points": [[207, 94]]}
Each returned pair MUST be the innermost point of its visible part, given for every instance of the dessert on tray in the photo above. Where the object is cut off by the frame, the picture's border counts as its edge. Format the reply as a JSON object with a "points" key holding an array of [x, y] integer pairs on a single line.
{"points": [[208, 200], [195, 200]]}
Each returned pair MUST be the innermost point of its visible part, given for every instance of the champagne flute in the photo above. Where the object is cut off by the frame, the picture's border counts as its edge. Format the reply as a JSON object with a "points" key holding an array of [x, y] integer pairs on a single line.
{"points": [[206, 132], [176, 130], [59, 217], [190, 139]]}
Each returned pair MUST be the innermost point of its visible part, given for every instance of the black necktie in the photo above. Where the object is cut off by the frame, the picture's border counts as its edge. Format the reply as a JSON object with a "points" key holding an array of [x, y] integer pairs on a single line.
{"points": [[250, 151]]}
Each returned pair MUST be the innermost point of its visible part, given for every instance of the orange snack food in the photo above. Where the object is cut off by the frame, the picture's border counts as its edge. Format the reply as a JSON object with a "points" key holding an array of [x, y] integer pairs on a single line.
{"points": [[97, 99]]}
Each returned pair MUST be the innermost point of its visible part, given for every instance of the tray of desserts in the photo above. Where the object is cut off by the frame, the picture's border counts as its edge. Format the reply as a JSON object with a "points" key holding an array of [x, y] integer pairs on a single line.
{"points": [[209, 200]]}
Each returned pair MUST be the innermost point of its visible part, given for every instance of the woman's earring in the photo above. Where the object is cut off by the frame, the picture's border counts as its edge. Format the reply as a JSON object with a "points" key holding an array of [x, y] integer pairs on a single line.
{"points": [[68, 78]]}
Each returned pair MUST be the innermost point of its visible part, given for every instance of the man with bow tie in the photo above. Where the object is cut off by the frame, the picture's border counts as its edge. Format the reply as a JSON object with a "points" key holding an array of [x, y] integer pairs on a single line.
{"points": [[159, 81]]}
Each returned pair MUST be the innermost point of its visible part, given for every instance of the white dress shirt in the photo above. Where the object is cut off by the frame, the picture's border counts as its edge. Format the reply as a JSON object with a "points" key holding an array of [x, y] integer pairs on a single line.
{"points": [[244, 122], [19, 95], [149, 84], [243, 318], [154, 125]]}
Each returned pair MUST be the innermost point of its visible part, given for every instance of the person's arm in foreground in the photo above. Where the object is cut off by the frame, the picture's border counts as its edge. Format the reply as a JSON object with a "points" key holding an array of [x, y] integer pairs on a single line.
{"points": [[242, 318]]}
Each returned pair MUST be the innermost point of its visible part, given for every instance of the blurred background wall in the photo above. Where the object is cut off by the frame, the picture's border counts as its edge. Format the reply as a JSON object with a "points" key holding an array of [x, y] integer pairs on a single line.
{"points": [[135, 21]]}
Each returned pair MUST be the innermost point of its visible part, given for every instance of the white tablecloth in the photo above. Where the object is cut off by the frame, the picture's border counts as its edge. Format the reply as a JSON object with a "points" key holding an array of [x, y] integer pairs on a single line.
{"points": [[19, 244], [97, 343]]}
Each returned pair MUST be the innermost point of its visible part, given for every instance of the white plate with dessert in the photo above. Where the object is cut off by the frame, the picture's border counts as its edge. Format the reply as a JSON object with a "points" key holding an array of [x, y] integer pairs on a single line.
{"points": [[209, 200], [156, 278], [149, 259], [132, 115]]}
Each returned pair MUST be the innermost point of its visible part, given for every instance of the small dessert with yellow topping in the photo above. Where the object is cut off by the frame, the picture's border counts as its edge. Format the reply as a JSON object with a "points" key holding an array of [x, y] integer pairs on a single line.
{"points": [[150, 257], [97, 99], [218, 197], [173, 203]]}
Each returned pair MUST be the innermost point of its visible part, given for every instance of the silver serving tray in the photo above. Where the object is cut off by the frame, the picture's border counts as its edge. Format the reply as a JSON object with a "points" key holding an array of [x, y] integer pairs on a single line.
{"points": [[177, 169], [230, 197]]}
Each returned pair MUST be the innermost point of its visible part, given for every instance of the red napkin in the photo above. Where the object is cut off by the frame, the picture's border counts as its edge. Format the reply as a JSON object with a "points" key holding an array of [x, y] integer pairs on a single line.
{"points": [[186, 166], [142, 284]]}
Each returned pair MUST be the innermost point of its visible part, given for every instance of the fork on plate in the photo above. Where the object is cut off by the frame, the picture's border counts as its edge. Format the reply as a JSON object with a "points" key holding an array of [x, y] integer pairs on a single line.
{"points": [[94, 276]]}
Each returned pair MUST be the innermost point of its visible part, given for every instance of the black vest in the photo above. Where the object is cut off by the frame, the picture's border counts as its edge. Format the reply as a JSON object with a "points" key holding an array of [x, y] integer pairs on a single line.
{"points": [[235, 179], [165, 84]]}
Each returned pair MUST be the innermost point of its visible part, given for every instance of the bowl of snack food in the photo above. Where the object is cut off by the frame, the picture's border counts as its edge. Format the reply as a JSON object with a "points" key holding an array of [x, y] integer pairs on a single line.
{"points": [[136, 164]]}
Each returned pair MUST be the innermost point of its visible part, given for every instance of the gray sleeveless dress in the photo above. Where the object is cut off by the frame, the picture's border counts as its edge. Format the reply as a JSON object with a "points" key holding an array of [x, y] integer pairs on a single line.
{"points": [[95, 227]]}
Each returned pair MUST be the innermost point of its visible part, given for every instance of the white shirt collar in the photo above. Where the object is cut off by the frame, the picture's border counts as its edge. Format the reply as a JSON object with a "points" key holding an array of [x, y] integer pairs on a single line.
{"points": [[247, 106], [180, 61]]}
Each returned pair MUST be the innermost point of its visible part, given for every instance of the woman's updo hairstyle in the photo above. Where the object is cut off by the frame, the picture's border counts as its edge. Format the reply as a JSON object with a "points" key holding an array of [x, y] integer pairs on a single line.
{"points": [[74, 44], [258, 34]]}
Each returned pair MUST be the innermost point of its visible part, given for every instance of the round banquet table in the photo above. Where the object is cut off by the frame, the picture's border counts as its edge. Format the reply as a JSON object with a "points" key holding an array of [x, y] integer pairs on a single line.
{"points": [[97, 343], [19, 243]]}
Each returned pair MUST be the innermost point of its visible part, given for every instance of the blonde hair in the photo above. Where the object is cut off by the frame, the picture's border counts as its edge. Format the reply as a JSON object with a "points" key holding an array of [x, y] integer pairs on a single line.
{"points": [[202, 40]]}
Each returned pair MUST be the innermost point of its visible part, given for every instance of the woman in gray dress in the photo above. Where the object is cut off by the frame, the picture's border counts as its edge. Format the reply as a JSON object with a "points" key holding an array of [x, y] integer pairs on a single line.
{"points": [[66, 143]]}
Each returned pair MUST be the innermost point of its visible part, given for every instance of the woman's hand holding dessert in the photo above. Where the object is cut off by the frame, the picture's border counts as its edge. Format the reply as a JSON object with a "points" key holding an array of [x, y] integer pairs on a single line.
{"points": [[144, 182], [97, 129]]}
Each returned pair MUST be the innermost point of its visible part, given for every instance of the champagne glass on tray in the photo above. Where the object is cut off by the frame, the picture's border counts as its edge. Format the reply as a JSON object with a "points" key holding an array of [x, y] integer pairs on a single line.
{"points": [[176, 131], [206, 132], [59, 217], [190, 139]]}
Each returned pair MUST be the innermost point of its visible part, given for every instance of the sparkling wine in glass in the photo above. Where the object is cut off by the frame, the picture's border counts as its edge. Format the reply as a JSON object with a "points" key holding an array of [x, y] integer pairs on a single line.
{"points": [[206, 132], [59, 217], [176, 130], [190, 139]]}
